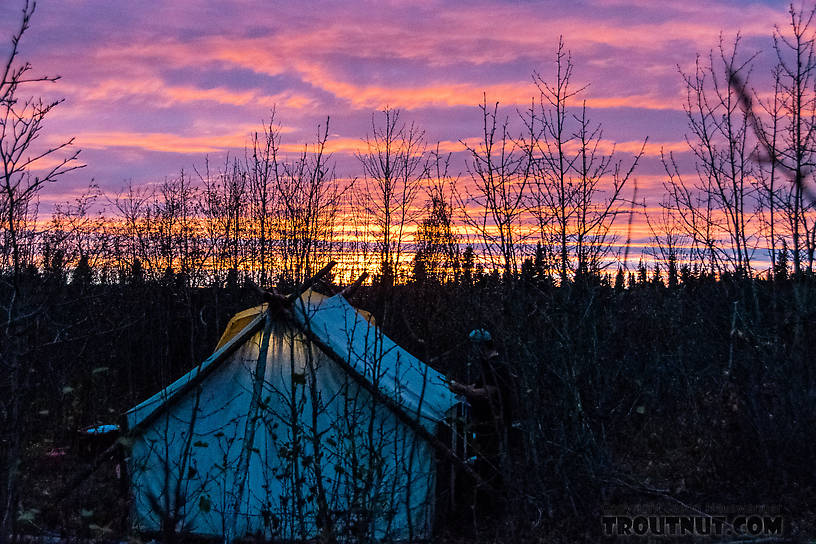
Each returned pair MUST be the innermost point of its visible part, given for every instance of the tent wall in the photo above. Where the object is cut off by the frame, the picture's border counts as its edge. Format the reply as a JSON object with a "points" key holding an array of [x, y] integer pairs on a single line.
{"points": [[318, 435]]}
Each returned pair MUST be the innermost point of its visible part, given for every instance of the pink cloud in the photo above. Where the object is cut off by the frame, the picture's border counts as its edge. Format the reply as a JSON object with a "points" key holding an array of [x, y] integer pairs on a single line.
{"points": [[161, 141], [347, 59]]}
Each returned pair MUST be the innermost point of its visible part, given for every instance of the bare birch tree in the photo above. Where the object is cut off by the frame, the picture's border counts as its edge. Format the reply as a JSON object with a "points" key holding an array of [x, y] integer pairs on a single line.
{"points": [[575, 189], [720, 210], [309, 199], [500, 176], [264, 173], [796, 148], [27, 167], [394, 163]]}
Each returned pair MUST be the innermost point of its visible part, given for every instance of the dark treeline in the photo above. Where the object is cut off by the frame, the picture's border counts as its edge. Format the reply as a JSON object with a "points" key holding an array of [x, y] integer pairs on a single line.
{"points": [[698, 393], [687, 379]]}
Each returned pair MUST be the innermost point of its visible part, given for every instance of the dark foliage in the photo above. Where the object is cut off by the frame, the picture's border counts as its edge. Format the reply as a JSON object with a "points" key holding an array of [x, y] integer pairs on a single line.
{"points": [[698, 393]]}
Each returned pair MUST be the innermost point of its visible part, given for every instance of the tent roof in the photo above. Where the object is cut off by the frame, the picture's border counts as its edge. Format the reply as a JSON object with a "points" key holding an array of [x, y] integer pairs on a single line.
{"points": [[419, 390]]}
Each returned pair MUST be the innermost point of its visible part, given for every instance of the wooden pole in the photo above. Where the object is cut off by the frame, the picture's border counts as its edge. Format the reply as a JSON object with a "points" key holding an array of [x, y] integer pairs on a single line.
{"points": [[306, 285], [351, 289]]}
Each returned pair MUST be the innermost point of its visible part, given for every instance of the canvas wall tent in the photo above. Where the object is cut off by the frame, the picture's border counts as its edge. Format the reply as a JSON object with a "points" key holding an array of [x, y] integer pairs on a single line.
{"points": [[335, 434]]}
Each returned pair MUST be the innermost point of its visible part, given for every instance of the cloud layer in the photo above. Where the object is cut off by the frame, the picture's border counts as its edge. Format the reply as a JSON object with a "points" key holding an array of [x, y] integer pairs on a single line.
{"points": [[153, 86]]}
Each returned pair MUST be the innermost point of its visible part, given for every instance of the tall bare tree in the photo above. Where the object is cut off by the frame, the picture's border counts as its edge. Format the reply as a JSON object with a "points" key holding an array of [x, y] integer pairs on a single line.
{"points": [[309, 199], [548, 147], [720, 210], [770, 192], [796, 148], [500, 176], [264, 173], [575, 188], [27, 167], [394, 163]]}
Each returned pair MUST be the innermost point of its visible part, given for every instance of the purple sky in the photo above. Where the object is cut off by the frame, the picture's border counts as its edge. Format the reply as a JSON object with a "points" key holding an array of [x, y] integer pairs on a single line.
{"points": [[153, 86]]}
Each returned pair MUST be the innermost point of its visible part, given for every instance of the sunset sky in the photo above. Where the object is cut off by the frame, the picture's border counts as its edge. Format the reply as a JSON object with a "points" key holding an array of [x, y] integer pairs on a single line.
{"points": [[152, 87]]}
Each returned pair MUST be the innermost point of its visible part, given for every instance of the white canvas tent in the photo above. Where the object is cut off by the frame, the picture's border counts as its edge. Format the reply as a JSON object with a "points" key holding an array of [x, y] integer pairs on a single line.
{"points": [[300, 422]]}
